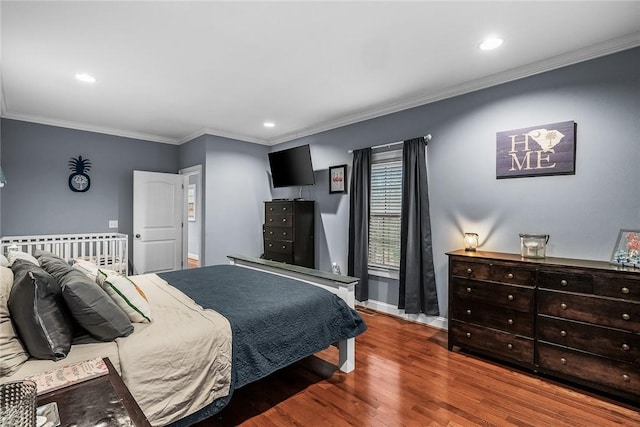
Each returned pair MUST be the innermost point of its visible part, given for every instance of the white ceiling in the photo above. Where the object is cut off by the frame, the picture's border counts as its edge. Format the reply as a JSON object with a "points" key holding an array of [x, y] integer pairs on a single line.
{"points": [[171, 71]]}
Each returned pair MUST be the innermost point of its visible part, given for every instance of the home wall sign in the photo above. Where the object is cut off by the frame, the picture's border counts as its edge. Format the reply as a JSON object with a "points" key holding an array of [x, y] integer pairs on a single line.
{"points": [[79, 181], [535, 151]]}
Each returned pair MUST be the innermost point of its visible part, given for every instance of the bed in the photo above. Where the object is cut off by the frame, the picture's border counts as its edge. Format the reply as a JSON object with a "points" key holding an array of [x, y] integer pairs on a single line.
{"points": [[218, 328]]}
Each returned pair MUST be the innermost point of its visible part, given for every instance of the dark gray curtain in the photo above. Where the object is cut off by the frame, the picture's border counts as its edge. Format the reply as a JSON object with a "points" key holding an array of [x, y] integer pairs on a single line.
{"points": [[359, 221], [417, 292]]}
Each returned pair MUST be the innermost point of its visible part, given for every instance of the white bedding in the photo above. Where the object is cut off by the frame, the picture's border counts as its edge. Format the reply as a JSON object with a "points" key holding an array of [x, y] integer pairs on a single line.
{"points": [[181, 361]]}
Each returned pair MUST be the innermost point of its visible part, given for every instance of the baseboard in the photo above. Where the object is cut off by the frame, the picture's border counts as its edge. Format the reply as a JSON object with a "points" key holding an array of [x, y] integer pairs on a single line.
{"points": [[434, 321]]}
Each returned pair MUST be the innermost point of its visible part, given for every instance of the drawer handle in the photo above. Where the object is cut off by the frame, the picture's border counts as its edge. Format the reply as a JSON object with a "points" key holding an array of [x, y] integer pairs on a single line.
{"points": [[510, 346], [284, 247], [626, 347], [510, 321], [271, 209], [271, 232], [284, 219], [468, 290], [469, 312], [625, 316], [625, 290], [563, 282], [563, 306], [563, 360], [284, 209], [468, 334], [270, 219], [510, 297], [625, 378], [510, 276], [469, 270], [270, 245], [284, 233], [563, 333]]}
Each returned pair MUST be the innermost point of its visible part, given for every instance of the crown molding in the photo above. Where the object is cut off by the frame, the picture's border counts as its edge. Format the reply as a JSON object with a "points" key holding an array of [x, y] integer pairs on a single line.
{"points": [[222, 134], [628, 41], [90, 128]]}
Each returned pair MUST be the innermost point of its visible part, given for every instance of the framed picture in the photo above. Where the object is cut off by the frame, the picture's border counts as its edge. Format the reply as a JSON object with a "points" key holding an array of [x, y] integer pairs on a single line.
{"points": [[540, 150], [191, 203], [337, 179], [627, 250]]}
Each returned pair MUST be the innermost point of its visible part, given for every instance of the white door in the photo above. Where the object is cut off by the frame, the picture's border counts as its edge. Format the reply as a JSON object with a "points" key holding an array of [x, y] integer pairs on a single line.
{"points": [[159, 211]]}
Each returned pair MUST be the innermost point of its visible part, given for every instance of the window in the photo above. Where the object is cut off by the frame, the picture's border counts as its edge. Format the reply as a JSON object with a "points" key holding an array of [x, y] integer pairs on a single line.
{"points": [[384, 211]]}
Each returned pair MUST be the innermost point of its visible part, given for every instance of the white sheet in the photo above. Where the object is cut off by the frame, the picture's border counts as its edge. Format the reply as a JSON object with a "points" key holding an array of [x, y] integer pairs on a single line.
{"points": [[181, 361]]}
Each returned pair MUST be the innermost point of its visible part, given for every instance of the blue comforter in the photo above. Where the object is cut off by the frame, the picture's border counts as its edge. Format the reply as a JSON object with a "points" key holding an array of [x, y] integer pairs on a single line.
{"points": [[275, 321]]}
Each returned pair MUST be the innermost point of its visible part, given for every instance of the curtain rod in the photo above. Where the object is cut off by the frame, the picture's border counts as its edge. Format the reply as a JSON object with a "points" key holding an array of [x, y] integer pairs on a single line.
{"points": [[427, 138]]}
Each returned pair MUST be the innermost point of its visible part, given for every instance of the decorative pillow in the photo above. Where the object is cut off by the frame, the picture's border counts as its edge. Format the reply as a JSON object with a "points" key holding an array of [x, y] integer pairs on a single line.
{"points": [[12, 353], [39, 312], [86, 267], [12, 256], [4, 262], [6, 282], [126, 294], [89, 304]]}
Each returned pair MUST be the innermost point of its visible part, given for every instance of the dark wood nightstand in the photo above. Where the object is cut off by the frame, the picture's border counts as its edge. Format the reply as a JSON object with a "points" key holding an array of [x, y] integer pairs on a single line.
{"points": [[103, 400]]}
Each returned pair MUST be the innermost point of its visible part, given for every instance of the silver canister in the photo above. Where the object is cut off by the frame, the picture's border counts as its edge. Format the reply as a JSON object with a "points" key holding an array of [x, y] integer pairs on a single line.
{"points": [[533, 245]]}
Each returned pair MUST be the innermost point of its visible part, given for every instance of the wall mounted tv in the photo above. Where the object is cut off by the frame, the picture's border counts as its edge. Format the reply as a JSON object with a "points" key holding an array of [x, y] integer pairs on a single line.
{"points": [[291, 167]]}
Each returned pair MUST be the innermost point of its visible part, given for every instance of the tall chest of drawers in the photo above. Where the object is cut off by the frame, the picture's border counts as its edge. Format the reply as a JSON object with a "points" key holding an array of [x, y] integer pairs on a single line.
{"points": [[288, 232], [582, 321]]}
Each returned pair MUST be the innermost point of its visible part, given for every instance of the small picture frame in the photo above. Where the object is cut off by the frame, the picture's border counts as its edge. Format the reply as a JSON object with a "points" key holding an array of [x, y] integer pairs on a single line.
{"points": [[338, 179], [626, 253], [191, 203]]}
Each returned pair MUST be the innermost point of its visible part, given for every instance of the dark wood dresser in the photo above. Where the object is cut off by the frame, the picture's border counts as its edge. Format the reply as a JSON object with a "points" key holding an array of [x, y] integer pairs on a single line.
{"points": [[573, 319], [288, 232]]}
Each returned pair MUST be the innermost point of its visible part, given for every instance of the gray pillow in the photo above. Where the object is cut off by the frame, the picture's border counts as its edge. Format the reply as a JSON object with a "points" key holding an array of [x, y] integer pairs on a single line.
{"points": [[93, 308], [90, 305], [39, 313]]}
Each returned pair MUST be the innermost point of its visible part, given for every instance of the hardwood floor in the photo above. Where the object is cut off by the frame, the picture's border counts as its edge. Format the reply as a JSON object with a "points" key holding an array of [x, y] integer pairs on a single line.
{"points": [[406, 377]]}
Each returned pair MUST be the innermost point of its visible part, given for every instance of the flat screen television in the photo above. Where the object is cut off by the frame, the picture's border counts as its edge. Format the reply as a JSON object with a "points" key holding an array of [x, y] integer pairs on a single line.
{"points": [[291, 167]]}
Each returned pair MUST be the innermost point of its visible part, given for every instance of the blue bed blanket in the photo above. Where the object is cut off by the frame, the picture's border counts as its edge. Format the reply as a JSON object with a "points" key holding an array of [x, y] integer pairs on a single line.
{"points": [[275, 321]]}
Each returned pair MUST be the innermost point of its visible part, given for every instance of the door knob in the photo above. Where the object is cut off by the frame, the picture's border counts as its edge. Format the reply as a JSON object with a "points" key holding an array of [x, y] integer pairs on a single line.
{"points": [[137, 236]]}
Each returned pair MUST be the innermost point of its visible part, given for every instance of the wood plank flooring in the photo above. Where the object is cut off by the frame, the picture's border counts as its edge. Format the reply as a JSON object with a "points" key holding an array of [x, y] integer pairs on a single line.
{"points": [[406, 377]]}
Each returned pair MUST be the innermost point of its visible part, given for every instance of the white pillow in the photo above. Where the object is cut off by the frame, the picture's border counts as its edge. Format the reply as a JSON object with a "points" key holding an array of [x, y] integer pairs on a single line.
{"points": [[87, 267], [126, 294], [6, 282], [4, 262], [12, 352], [14, 255]]}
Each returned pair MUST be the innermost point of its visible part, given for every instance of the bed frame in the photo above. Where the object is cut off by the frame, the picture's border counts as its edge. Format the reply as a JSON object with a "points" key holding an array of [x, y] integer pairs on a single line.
{"points": [[107, 250], [342, 286]]}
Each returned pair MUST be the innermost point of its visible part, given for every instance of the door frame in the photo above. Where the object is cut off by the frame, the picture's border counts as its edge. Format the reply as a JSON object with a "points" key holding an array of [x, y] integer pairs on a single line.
{"points": [[195, 170]]}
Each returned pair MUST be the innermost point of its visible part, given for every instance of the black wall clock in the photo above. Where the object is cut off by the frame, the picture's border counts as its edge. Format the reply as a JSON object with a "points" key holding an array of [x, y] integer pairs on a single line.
{"points": [[79, 181]]}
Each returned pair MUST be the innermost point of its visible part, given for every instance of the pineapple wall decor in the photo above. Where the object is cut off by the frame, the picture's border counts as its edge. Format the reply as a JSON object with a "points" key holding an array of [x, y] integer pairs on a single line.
{"points": [[79, 181]]}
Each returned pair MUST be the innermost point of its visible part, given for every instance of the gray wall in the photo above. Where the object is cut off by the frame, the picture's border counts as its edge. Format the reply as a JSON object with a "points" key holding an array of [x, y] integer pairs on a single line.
{"points": [[37, 199], [583, 212]]}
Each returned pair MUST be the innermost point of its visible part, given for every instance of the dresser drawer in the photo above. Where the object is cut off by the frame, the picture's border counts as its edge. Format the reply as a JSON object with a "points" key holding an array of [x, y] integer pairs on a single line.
{"points": [[279, 208], [593, 339], [564, 281], [510, 297], [471, 270], [275, 256], [618, 286], [512, 275], [277, 233], [499, 344], [279, 246], [591, 309], [514, 322], [279, 220], [600, 370]]}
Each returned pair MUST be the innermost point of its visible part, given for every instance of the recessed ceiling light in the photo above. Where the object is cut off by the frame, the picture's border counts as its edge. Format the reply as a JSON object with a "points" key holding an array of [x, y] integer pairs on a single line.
{"points": [[491, 43], [269, 124], [84, 77]]}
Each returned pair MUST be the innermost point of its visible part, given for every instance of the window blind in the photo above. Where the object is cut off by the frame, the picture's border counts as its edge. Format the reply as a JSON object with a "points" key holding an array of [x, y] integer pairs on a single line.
{"points": [[385, 209]]}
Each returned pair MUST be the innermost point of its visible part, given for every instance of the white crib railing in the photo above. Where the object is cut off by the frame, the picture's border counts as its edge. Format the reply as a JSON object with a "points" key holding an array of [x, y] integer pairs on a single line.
{"points": [[107, 250]]}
